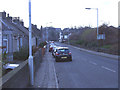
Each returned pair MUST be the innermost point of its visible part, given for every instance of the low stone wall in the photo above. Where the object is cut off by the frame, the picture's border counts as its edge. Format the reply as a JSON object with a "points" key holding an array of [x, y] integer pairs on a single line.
{"points": [[37, 59], [19, 77]]}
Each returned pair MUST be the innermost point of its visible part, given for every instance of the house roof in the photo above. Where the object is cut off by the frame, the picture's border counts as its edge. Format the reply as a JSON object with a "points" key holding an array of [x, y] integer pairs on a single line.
{"points": [[17, 26]]}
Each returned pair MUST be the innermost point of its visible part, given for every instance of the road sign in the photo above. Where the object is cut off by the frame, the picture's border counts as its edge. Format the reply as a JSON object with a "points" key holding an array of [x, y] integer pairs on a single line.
{"points": [[101, 36]]}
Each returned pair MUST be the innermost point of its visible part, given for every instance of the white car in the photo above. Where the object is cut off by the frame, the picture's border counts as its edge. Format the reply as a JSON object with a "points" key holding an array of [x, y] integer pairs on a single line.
{"points": [[54, 50]]}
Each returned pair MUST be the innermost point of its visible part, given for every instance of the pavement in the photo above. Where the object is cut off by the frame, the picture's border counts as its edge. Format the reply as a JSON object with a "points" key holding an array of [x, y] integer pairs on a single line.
{"points": [[46, 74]]}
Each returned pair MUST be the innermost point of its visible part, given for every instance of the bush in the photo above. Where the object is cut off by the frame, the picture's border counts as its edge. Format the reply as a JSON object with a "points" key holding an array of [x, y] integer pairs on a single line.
{"points": [[107, 46], [80, 42], [4, 56], [42, 44], [22, 54], [92, 44]]}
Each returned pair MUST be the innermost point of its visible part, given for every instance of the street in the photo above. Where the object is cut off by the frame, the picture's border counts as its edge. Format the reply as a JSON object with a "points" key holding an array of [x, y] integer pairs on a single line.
{"points": [[86, 71]]}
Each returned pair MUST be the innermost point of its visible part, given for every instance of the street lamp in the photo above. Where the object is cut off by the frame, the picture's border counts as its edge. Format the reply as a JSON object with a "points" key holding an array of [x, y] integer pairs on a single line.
{"points": [[47, 31], [97, 20], [30, 60]]}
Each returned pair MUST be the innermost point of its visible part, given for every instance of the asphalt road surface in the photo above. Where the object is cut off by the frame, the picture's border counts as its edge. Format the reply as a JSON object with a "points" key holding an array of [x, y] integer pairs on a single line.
{"points": [[86, 71]]}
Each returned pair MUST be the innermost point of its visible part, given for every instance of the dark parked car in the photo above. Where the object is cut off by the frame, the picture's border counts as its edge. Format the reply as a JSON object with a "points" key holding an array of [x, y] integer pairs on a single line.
{"points": [[63, 53]]}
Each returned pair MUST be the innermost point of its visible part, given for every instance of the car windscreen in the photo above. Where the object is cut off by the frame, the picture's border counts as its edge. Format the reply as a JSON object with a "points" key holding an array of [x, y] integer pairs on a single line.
{"points": [[63, 50]]}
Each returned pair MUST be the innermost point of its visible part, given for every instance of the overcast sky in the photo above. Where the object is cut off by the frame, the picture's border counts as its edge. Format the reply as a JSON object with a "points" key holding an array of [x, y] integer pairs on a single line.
{"points": [[63, 13]]}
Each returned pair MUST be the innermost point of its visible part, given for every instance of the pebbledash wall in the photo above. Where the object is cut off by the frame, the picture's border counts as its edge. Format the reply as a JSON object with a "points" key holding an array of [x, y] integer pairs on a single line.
{"points": [[0, 52], [0, 37]]}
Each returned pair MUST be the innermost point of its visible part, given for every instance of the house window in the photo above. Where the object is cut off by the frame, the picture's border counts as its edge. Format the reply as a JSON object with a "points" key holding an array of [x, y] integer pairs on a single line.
{"points": [[4, 36], [5, 45], [20, 42]]}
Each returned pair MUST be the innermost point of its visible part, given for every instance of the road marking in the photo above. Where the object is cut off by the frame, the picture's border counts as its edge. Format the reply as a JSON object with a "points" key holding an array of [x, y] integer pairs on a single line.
{"points": [[56, 80], [93, 63], [76, 47], [108, 69]]}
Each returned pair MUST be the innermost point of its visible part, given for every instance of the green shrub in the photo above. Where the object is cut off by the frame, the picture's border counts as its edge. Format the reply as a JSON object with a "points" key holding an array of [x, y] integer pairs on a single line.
{"points": [[42, 44], [106, 46], [92, 44], [22, 54], [4, 56], [79, 42]]}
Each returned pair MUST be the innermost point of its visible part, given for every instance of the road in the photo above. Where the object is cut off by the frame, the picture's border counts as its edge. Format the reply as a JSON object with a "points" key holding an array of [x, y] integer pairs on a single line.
{"points": [[86, 71]]}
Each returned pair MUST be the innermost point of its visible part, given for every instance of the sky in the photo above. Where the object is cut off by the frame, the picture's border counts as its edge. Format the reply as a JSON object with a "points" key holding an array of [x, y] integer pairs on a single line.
{"points": [[63, 13]]}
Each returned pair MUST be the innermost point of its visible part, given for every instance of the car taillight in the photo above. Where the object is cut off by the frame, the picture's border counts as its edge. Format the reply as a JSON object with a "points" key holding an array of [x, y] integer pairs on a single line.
{"points": [[57, 53], [69, 53]]}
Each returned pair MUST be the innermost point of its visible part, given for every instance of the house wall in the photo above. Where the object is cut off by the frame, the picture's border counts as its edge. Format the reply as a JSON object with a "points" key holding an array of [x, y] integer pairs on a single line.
{"points": [[33, 41], [8, 42], [22, 41], [25, 41], [17, 34], [14, 44], [10, 47], [0, 37]]}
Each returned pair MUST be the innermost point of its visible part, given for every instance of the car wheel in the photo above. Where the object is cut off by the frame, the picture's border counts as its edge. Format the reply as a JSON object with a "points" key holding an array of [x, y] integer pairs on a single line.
{"points": [[56, 60], [71, 59]]}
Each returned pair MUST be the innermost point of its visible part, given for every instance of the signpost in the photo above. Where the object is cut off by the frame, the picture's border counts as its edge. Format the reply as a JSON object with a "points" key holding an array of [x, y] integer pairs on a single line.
{"points": [[101, 36]]}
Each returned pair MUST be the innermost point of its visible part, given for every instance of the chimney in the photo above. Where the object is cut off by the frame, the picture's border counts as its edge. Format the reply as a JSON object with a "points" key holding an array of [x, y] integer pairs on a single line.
{"points": [[22, 23], [16, 20], [3, 15], [35, 26], [8, 15], [9, 18]]}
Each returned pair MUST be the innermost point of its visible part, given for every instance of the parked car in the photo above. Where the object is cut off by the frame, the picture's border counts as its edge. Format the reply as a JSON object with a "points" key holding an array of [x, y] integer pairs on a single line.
{"points": [[54, 50], [63, 53], [51, 46]]}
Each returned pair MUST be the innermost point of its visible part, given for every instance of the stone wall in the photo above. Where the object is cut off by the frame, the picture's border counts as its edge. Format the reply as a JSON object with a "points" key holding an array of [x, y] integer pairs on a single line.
{"points": [[19, 77]]}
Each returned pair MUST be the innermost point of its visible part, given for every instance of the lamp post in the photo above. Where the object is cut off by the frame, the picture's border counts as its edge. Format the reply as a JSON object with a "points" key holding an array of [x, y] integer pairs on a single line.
{"points": [[47, 31], [30, 60], [97, 20]]}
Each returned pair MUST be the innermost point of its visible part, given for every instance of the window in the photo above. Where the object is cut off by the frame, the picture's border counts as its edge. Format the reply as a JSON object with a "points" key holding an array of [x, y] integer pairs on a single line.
{"points": [[5, 45], [20, 42]]}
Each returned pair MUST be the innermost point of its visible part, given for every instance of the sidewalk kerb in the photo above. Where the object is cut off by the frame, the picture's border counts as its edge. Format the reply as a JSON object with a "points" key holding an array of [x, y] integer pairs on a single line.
{"points": [[98, 53]]}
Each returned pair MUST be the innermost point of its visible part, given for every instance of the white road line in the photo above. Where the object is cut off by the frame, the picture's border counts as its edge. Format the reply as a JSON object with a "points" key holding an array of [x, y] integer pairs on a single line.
{"points": [[75, 47], [108, 69], [93, 63], [56, 80]]}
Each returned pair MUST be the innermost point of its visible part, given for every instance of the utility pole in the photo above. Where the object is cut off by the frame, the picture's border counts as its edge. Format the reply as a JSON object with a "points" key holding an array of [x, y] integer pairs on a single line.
{"points": [[30, 62]]}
